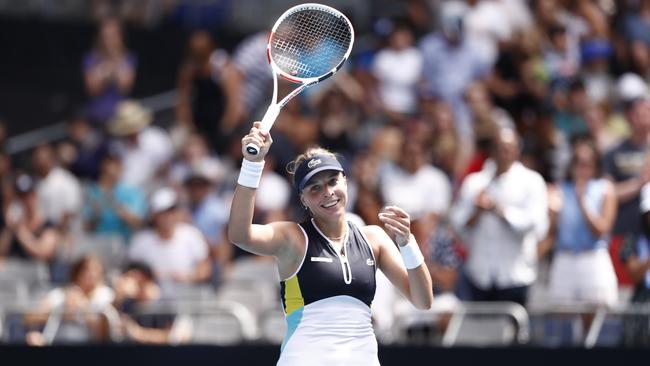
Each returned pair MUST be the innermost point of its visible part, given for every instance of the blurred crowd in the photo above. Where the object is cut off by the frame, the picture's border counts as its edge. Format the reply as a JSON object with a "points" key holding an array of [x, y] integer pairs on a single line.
{"points": [[516, 134]]}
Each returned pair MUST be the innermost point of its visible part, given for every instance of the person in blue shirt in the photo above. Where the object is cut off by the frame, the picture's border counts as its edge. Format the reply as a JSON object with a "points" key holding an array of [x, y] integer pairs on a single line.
{"points": [[112, 207]]}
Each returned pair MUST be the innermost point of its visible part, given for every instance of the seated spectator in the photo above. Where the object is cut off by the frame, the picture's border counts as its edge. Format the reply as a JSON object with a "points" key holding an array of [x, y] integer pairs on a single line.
{"points": [[176, 251], [209, 214], [144, 150], [58, 191], [82, 150], [109, 71], [422, 190], [195, 155], [136, 287], [28, 232], [85, 301], [113, 207]]}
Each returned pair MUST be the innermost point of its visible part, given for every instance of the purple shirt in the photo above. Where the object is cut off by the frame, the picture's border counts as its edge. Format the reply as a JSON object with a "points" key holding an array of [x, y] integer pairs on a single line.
{"points": [[102, 105]]}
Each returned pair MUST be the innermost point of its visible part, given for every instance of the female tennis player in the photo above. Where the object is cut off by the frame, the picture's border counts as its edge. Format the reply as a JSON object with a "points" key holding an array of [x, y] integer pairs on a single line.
{"points": [[327, 264]]}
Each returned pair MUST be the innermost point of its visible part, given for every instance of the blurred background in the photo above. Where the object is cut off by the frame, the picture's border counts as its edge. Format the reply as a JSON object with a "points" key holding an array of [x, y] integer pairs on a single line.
{"points": [[515, 133]]}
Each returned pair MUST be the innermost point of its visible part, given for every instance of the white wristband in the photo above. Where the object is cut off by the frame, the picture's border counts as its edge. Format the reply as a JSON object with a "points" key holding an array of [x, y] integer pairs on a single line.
{"points": [[250, 173], [411, 254]]}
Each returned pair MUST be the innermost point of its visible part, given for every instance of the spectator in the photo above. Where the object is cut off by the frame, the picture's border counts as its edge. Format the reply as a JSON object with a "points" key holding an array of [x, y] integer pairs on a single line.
{"points": [[209, 213], [568, 117], [28, 233], [501, 215], [256, 76], [59, 192], [628, 167], [398, 89], [601, 130], [581, 270], [134, 288], [452, 63], [209, 88], [422, 190], [177, 252], [144, 150], [83, 149], [112, 207], [635, 255], [85, 302], [195, 155], [109, 71]]}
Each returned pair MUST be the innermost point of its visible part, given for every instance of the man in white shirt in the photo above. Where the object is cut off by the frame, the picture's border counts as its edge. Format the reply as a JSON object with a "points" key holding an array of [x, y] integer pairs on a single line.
{"points": [[501, 214], [421, 189], [177, 252], [58, 191]]}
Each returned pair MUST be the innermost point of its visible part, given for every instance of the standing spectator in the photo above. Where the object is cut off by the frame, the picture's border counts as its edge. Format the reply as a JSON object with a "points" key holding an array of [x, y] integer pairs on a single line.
{"points": [[628, 167], [112, 207], [109, 71], [144, 150], [256, 76], [501, 215], [581, 271], [177, 252], [398, 89], [635, 255], [59, 192], [452, 63], [208, 89]]}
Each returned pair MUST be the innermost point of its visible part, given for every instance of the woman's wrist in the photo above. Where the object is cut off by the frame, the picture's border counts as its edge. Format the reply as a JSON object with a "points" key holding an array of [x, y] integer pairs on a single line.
{"points": [[411, 254], [250, 173]]}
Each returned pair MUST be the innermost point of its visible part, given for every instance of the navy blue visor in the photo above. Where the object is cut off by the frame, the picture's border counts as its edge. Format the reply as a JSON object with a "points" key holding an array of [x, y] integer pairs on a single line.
{"points": [[312, 166]]}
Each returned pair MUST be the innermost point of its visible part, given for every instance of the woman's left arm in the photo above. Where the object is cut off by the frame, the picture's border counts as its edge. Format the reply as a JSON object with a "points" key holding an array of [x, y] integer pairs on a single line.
{"points": [[404, 267]]}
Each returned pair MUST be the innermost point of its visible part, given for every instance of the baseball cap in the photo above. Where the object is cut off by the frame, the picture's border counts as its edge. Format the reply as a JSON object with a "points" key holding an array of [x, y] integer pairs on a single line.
{"points": [[162, 200], [312, 166]]}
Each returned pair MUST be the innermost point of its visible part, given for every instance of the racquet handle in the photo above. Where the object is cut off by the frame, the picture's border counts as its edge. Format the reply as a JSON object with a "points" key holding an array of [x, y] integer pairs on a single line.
{"points": [[267, 122]]}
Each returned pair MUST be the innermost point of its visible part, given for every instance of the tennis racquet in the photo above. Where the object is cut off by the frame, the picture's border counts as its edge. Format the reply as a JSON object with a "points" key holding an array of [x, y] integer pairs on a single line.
{"points": [[308, 44]]}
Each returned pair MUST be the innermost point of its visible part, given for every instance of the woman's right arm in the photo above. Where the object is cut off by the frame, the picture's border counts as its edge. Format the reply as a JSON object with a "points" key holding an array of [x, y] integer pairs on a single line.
{"points": [[268, 239]]}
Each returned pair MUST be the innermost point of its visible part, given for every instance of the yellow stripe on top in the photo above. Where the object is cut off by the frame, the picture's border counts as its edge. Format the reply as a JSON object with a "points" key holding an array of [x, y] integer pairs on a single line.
{"points": [[293, 299]]}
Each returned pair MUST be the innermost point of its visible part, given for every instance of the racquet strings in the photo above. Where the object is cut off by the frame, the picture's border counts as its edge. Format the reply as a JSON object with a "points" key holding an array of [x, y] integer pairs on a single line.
{"points": [[310, 43]]}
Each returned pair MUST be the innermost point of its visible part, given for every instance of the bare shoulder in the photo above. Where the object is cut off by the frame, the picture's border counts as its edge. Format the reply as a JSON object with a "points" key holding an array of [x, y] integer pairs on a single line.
{"points": [[376, 236]]}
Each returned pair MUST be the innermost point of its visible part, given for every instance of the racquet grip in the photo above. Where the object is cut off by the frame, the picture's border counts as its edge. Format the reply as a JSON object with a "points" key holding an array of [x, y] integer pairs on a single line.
{"points": [[267, 122]]}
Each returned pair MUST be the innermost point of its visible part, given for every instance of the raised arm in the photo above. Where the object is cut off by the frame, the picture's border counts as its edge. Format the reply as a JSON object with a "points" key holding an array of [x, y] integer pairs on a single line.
{"points": [[404, 267], [271, 239]]}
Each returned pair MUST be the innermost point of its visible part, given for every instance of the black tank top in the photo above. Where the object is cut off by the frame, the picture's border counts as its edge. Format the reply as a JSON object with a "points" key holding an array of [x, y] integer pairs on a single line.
{"points": [[324, 273]]}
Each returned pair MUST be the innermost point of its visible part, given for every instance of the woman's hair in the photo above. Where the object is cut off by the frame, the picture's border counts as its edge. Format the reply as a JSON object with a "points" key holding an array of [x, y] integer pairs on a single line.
{"points": [[308, 154], [591, 144], [81, 264]]}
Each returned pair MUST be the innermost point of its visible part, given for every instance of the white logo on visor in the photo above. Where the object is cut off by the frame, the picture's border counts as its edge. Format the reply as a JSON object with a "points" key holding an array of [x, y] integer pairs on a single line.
{"points": [[313, 162]]}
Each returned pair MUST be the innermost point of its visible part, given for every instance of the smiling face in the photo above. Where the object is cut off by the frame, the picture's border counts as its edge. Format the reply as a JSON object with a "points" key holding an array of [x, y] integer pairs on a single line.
{"points": [[325, 195]]}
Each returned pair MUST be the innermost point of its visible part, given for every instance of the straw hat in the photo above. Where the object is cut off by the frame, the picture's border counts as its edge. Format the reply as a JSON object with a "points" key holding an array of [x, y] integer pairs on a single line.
{"points": [[130, 117]]}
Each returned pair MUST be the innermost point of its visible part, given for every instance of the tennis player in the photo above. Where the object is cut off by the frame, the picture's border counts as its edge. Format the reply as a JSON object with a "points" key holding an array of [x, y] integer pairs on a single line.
{"points": [[327, 264]]}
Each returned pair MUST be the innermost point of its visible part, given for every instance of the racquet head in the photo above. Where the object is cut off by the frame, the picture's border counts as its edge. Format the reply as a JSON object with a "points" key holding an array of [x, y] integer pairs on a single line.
{"points": [[310, 42]]}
